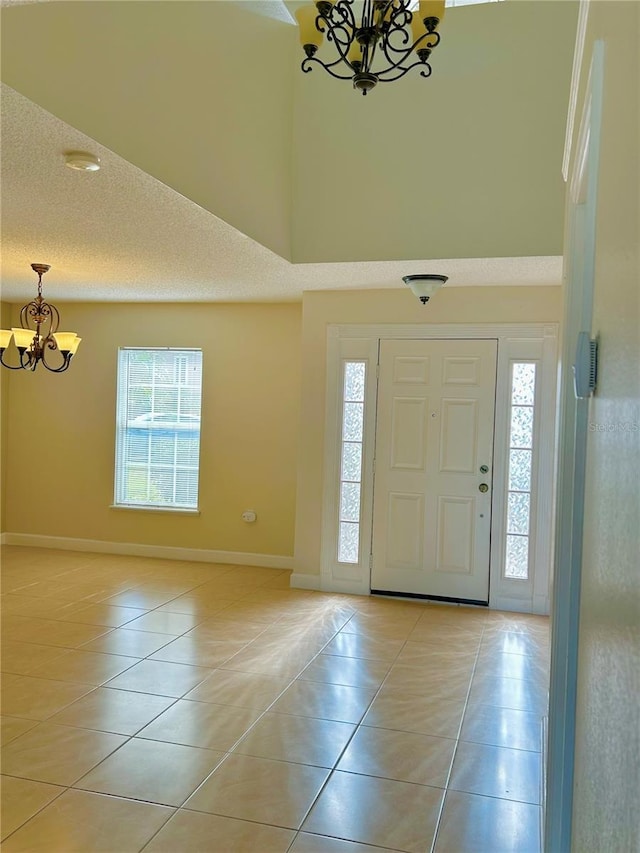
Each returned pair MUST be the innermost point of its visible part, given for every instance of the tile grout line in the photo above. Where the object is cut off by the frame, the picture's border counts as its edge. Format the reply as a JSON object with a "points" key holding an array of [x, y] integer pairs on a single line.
{"points": [[291, 680], [455, 749]]}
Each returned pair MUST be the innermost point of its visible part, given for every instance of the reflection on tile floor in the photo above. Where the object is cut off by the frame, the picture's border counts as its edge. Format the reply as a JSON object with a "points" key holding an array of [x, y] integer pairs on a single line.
{"points": [[163, 705]]}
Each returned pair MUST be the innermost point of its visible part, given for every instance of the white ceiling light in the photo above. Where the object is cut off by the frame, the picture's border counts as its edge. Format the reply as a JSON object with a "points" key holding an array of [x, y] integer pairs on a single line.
{"points": [[82, 161], [424, 286]]}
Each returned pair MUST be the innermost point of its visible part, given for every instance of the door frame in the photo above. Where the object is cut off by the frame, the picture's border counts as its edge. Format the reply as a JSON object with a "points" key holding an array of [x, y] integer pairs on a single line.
{"points": [[516, 342], [579, 276]]}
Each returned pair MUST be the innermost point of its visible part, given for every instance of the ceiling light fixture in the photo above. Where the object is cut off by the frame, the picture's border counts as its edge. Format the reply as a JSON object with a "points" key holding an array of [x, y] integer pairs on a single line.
{"points": [[424, 286], [38, 333], [378, 47], [82, 161]]}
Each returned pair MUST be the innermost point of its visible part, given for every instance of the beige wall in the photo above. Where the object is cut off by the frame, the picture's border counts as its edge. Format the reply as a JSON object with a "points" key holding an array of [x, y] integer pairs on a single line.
{"points": [[607, 757], [212, 81], [61, 452], [465, 164], [449, 305], [5, 376]]}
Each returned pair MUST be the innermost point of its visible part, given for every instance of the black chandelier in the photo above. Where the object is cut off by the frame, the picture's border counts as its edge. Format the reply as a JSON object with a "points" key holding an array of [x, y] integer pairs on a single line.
{"points": [[39, 322], [380, 48]]}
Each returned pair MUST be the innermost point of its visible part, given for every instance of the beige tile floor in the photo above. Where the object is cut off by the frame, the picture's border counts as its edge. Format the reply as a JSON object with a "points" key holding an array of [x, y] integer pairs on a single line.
{"points": [[170, 706]]}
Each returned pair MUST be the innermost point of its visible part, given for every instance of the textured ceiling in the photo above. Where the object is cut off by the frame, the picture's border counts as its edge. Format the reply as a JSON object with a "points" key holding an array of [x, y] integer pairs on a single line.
{"points": [[119, 234], [122, 235]]}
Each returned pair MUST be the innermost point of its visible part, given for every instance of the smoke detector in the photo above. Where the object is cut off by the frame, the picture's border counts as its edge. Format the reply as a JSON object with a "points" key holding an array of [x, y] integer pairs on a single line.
{"points": [[82, 161]]}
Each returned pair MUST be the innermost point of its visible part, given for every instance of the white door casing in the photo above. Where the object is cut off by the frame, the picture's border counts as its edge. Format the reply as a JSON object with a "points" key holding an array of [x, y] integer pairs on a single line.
{"points": [[431, 523], [516, 342], [580, 266]]}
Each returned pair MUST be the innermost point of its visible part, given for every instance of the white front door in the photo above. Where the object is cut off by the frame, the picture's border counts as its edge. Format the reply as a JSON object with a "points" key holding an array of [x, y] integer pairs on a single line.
{"points": [[432, 494]]}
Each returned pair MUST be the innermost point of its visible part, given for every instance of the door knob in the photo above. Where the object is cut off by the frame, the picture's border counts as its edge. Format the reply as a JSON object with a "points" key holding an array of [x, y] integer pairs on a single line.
{"points": [[483, 487]]}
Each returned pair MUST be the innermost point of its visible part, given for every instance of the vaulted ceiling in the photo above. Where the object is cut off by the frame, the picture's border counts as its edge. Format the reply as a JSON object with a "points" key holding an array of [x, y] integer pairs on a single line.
{"points": [[228, 174]]}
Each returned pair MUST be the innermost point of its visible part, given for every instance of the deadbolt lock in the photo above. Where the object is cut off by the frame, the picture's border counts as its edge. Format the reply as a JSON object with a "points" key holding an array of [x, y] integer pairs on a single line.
{"points": [[484, 469], [483, 487]]}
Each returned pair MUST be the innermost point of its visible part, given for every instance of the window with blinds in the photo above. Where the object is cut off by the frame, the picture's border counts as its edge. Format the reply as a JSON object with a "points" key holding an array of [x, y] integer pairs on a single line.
{"points": [[158, 428]]}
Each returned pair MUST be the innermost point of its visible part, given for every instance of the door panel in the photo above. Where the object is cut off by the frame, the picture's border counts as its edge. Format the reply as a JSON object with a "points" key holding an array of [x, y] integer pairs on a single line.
{"points": [[455, 534], [404, 543], [458, 436], [411, 370], [460, 371], [431, 524], [408, 434]]}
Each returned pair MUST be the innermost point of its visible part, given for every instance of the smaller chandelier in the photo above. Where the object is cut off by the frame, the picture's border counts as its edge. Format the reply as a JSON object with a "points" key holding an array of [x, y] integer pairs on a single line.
{"points": [[380, 48], [39, 334]]}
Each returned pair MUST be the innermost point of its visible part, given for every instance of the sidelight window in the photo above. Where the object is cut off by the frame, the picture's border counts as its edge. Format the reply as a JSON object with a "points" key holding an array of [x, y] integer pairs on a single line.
{"points": [[351, 461], [521, 449]]}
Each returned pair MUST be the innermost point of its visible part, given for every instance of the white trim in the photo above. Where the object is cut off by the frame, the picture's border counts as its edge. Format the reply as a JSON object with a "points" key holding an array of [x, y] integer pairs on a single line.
{"points": [[578, 53], [146, 508], [579, 264], [516, 341], [163, 552], [541, 605], [426, 331], [544, 533], [530, 594], [335, 576], [301, 581], [519, 605]]}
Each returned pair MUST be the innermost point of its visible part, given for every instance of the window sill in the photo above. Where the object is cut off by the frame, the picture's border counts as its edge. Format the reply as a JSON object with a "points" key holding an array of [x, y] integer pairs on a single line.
{"points": [[155, 509]]}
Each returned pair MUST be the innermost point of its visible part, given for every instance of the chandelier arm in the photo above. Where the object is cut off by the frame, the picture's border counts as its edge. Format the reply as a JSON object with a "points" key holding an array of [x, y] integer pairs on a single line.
{"points": [[28, 358], [10, 366], [344, 10], [396, 63], [49, 343], [338, 31], [327, 67], [400, 18], [405, 40], [406, 53], [65, 364], [434, 39], [424, 66], [339, 35]]}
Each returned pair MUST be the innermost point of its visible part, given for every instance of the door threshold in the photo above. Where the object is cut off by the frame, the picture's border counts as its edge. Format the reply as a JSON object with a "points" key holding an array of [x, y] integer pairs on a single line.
{"points": [[418, 595]]}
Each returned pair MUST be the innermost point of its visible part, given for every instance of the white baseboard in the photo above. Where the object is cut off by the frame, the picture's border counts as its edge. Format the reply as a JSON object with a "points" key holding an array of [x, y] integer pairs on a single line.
{"points": [[539, 606], [346, 587], [163, 552], [302, 581]]}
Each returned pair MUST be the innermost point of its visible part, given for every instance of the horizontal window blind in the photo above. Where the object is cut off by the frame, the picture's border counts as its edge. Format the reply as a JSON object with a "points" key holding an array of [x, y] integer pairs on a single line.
{"points": [[158, 427]]}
